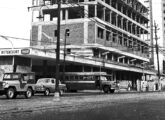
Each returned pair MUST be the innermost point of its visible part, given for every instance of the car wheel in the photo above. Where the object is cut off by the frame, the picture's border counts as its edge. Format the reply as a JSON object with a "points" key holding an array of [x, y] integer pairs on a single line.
{"points": [[112, 91], [28, 93], [10, 94], [106, 89], [47, 92]]}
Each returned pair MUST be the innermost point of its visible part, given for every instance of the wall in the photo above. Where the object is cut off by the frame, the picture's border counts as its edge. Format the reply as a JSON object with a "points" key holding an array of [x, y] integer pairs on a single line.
{"points": [[47, 31]]}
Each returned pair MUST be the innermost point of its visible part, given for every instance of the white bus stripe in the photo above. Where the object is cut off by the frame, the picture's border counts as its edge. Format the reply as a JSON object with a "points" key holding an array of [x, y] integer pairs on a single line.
{"points": [[79, 81]]}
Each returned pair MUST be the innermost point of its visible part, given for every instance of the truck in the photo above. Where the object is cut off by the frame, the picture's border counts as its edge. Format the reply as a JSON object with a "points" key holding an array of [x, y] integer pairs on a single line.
{"points": [[16, 83]]}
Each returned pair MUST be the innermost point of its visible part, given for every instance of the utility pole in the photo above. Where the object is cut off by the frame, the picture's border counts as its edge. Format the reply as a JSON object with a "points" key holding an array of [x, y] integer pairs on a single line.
{"points": [[57, 94], [151, 34], [157, 51]]}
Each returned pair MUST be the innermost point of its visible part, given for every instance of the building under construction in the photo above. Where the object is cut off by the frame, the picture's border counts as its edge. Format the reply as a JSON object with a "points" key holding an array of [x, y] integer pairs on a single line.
{"points": [[100, 35], [95, 35]]}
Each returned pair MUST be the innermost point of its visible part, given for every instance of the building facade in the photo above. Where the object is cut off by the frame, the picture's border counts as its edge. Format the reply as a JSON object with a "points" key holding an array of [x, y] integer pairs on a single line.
{"points": [[109, 32]]}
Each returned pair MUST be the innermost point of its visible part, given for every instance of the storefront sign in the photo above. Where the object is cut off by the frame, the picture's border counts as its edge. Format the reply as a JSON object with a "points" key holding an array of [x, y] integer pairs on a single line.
{"points": [[9, 52], [25, 51]]}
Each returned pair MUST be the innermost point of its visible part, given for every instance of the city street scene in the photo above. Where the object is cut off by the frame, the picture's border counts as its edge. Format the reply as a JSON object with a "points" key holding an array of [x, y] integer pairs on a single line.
{"points": [[82, 60]]}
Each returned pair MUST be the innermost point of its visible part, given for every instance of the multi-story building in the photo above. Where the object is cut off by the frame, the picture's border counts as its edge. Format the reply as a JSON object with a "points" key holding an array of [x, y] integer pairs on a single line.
{"points": [[105, 35], [161, 24], [158, 16]]}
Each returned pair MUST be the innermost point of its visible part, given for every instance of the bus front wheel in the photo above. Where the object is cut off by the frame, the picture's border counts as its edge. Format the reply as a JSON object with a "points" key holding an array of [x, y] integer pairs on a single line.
{"points": [[112, 91], [106, 89]]}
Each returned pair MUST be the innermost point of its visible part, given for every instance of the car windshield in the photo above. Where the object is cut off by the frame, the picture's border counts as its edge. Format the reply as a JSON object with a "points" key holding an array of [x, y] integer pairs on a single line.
{"points": [[11, 77], [43, 81]]}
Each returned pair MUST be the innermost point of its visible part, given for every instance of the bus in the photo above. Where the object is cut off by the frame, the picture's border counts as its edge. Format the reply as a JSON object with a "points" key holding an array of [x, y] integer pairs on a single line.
{"points": [[89, 81]]}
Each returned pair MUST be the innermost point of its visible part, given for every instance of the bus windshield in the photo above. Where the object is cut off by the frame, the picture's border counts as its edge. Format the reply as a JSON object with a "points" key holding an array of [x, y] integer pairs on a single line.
{"points": [[103, 78]]}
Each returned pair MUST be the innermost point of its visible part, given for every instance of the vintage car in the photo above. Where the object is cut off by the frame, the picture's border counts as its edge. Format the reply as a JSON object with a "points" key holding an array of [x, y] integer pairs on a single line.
{"points": [[47, 86], [14, 84]]}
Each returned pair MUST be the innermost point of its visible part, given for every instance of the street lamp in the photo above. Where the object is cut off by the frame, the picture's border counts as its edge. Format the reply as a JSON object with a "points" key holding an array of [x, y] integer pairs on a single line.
{"points": [[66, 34]]}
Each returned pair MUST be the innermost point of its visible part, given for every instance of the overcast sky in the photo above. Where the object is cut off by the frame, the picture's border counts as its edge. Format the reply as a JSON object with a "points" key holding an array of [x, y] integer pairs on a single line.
{"points": [[15, 20]]}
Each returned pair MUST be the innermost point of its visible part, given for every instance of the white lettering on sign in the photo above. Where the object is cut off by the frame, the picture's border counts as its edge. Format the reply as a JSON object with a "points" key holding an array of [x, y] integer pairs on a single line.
{"points": [[8, 52]]}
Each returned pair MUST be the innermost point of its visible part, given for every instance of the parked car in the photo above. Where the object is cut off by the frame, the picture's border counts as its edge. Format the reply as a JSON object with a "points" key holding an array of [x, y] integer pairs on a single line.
{"points": [[47, 86], [14, 84]]}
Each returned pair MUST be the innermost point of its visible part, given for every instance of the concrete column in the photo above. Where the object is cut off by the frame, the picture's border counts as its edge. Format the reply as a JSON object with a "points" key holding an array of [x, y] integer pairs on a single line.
{"points": [[110, 16], [66, 14], [104, 13], [111, 35], [122, 9], [40, 14], [117, 38], [143, 34], [110, 1], [116, 5], [136, 30], [14, 65], [123, 60], [127, 12], [135, 18], [85, 25], [127, 28], [95, 10], [61, 15], [112, 57], [106, 57], [122, 22], [122, 39], [128, 62], [117, 20], [39, 34], [132, 28]]}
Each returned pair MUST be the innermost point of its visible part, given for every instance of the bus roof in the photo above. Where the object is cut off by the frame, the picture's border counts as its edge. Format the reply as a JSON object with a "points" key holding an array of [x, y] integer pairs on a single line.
{"points": [[86, 73]]}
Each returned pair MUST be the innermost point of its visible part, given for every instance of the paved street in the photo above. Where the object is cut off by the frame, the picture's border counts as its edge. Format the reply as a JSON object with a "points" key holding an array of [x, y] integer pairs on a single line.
{"points": [[86, 106]]}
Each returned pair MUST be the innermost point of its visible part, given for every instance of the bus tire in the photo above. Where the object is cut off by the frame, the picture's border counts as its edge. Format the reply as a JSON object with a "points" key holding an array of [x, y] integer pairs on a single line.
{"points": [[73, 90], [112, 90], [106, 89]]}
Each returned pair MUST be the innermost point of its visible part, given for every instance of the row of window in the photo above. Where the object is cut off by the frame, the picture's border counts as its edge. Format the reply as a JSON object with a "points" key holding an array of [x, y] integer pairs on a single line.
{"points": [[122, 40]]}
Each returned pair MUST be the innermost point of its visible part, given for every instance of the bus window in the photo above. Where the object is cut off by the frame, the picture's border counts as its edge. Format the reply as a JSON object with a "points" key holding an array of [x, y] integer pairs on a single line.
{"points": [[71, 77], [66, 77], [81, 77], [76, 77], [109, 78]]}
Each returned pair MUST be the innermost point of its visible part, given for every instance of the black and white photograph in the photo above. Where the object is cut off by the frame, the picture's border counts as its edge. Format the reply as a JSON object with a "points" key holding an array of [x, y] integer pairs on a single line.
{"points": [[82, 60]]}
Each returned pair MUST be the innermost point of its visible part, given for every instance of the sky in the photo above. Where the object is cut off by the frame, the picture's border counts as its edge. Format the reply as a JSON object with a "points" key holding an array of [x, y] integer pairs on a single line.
{"points": [[15, 21]]}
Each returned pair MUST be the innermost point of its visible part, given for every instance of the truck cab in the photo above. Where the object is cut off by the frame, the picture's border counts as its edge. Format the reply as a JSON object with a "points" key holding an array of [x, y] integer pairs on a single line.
{"points": [[14, 84], [105, 84]]}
